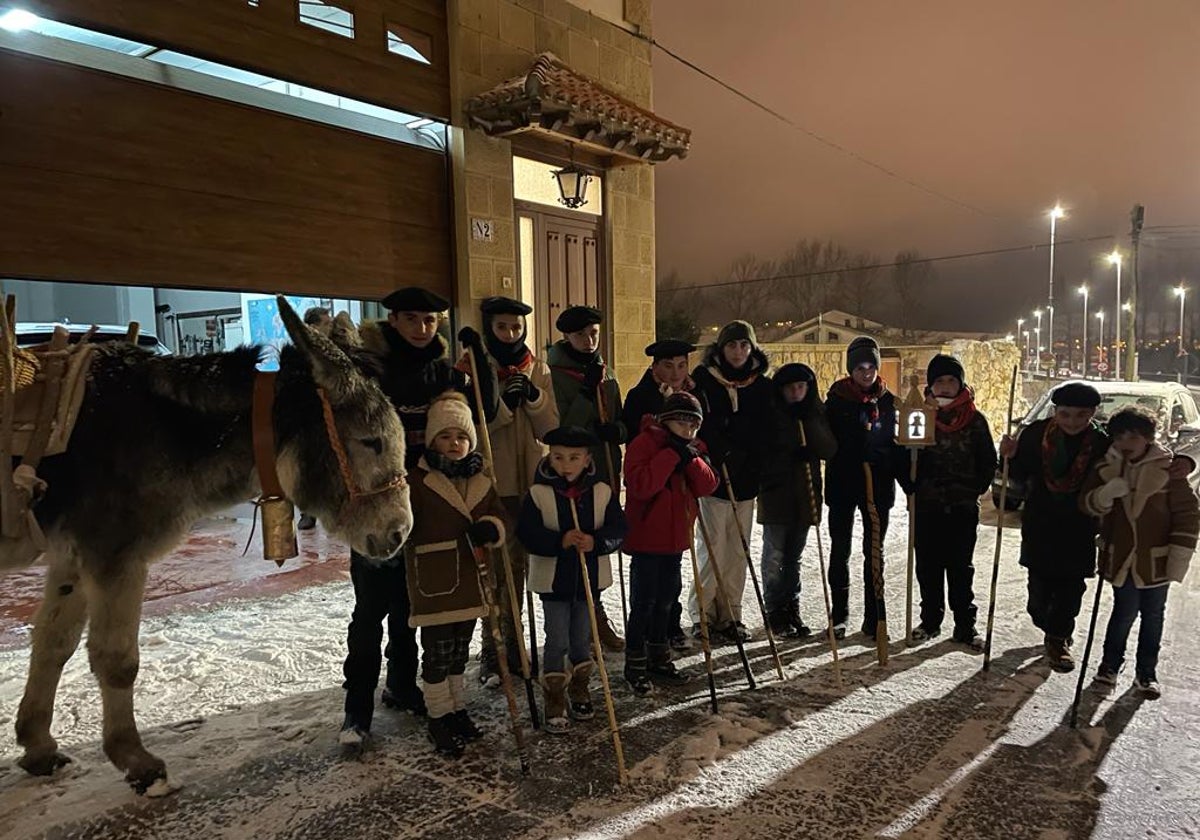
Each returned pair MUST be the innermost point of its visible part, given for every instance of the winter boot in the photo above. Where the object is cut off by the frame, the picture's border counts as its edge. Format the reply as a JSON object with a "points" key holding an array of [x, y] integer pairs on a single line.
{"points": [[354, 733], [609, 639], [404, 699], [460, 721], [577, 691], [921, 633], [969, 637], [1148, 687], [799, 629], [637, 676], [839, 630], [781, 625], [554, 691], [489, 671], [1058, 655], [445, 741], [1106, 678], [662, 670], [679, 640]]}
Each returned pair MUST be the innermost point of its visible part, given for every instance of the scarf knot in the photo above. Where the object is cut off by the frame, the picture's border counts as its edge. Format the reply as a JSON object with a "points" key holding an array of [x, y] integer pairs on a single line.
{"points": [[1062, 475], [959, 413]]}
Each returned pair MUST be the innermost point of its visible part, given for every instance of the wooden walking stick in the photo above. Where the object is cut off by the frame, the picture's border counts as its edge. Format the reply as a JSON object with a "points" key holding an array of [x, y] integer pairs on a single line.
{"points": [[915, 428], [614, 484], [514, 605], [912, 547], [492, 622], [762, 606], [816, 518], [881, 636], [705, 645], [723, 595], [533, 648], [987, 644], [598, 651]]}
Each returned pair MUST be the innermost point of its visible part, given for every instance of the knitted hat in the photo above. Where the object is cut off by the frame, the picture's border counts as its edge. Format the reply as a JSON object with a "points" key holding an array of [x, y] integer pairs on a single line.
{"points": [[794, 372], [575, 318], [736, 331], [681, 406], [669, 348], [449, 411], [574, 436], [415, 299], [944, 365], [862, 350], [1075, 395]]}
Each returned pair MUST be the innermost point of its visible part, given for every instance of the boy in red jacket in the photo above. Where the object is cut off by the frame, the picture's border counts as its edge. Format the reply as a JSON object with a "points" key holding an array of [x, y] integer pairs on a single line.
{"points": [[665, 472]]}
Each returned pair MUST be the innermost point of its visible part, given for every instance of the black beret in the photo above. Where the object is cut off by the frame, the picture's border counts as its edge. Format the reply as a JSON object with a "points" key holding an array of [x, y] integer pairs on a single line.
{"points": [[669, 348], [571, 436], [415, 299], [794, 372], [574, 318], [504, 306], [1075, 395]]}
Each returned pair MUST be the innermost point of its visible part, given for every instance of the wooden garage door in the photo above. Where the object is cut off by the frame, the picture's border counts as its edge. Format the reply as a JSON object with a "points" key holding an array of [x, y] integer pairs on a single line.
{"points": [[106, 179]]}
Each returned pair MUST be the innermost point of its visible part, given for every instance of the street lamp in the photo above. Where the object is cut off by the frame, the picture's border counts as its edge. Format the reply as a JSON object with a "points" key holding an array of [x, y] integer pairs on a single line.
{"points": [[1055, 214], [1181, 293], [1100, 346], [1115, 259], [1083, 290], [1037, 361]]}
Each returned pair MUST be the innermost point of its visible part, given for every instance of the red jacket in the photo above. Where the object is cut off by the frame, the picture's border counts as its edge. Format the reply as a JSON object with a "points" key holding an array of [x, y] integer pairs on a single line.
{"points": [[660, 502]]}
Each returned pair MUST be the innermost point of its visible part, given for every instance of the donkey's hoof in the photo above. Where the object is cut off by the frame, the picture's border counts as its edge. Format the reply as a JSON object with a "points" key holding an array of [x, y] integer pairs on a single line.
{"points": [[44, 764], [150, 779]]}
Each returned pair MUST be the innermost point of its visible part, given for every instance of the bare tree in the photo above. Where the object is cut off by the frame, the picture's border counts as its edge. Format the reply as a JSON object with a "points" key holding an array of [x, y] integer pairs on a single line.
{"points": [[748, 294], [858, 283], [679, 311], [910, 281], [803, 285]]}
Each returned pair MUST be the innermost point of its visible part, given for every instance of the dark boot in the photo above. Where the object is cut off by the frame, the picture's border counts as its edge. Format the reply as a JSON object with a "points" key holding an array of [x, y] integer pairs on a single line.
{"points": [[405, 700], [462, 726], [354, 733], [662, 670], [781, 625], [444, 738], [637, 676], [577, 691], [1058, 655], [799, 628]]}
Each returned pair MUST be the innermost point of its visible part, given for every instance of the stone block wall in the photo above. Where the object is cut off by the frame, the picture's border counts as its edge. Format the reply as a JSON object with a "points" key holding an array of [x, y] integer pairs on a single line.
{"points": [[495, 40]]}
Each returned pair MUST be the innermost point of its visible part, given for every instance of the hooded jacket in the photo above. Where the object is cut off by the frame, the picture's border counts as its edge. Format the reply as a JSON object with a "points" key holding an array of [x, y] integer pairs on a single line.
{"points": [[442, 577], [862, 440], [546, 516], [1057, 538], [412, 376], [660, 497], [575, 409], [958, 468], [1150, 533], [737, 418], [647, 397], [787, 497]]}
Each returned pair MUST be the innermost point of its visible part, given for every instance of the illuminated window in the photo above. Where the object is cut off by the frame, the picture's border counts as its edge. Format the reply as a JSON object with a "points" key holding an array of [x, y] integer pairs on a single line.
{"points": [[327, 16], [409, 43]]}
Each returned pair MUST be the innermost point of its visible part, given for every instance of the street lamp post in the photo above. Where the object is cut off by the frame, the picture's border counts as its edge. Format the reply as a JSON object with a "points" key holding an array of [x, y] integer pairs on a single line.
{"points": [[1100, 346], [1181, 293], [1055, 214], [1115, 259], [1025, 350], [1037, 331], [1083, 290]]}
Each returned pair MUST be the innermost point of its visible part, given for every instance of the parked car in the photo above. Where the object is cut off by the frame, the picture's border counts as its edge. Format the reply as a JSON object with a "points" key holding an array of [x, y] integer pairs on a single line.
{"points": [[30, 334], [1170, 402]]}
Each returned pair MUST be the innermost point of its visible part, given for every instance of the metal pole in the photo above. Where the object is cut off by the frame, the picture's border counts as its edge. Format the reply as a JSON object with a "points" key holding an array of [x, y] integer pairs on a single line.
{"points": [[1137, 218], [1085, 349], [1050, 325], [1117, 352], [1182, 358]]}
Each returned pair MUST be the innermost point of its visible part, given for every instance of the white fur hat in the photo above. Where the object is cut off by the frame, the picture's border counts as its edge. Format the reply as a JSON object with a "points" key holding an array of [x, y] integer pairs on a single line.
{"points": [[449, 411]]}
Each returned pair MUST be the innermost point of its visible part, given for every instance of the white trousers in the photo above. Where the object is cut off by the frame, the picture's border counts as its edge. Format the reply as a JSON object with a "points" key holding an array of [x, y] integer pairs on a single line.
{"points": [[722, 528]]}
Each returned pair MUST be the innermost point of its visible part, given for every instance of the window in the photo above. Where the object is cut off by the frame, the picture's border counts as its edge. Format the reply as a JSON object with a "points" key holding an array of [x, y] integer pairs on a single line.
{"points": [[327, 16], [409, 43], [810, 337], [833, 337]]}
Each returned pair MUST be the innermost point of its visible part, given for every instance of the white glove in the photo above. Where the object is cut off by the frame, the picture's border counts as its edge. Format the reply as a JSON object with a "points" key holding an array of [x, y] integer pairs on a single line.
{"points": [[1178, 559], [1112, 490]]}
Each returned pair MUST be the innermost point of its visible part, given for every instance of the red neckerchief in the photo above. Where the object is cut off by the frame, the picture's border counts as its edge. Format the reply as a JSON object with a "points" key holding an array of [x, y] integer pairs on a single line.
{"points": [[1062, 478], [959, 413], [666, 390], [504, 372], [847, 390], [578, 376]]}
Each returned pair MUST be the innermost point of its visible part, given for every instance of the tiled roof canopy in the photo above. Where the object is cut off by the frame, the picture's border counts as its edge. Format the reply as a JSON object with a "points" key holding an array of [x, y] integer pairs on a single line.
{"points": [[551, 99]]}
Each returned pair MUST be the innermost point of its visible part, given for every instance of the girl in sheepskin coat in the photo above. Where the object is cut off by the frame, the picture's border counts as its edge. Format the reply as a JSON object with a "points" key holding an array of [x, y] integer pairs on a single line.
{"points": [[455, 506], [1147, 537]]}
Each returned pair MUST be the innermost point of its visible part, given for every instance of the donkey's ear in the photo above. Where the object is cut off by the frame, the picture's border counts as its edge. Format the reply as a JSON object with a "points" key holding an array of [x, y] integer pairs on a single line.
{"points": [[332, 369]]}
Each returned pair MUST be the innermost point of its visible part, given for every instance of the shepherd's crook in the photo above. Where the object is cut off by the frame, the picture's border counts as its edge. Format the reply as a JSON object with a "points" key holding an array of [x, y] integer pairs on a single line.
{"points": [[762, 606], [723, 595], [987, 645], [514, 605], [599, 653], [881, 635], [912, 547], [614, 484], [705, 645], [816, 518]]}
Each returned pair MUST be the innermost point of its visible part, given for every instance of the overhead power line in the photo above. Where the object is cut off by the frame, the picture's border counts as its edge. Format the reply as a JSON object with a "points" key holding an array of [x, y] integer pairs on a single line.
{"points": [[850, 269]]}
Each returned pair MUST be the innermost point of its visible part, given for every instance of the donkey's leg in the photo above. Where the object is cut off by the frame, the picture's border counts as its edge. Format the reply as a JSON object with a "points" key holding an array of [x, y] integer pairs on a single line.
{"points": [[56, 630], [115, 593]]}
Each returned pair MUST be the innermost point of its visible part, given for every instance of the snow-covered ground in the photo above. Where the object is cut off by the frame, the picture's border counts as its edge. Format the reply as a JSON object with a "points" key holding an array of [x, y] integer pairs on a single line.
{"points": [[243, 702]]}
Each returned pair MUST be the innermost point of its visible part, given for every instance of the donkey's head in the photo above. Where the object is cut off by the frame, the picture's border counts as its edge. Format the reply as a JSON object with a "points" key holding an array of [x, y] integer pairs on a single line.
{"points": [[341, 453]]}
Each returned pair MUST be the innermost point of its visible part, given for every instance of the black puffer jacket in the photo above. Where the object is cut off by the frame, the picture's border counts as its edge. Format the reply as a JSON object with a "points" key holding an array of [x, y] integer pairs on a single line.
{"points": [[786, 495], [861, 440], [737, 434], [958, 468]]}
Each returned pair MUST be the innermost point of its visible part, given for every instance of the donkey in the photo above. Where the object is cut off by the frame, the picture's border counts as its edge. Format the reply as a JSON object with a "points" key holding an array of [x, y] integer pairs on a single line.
{"points": [[161, 442]]}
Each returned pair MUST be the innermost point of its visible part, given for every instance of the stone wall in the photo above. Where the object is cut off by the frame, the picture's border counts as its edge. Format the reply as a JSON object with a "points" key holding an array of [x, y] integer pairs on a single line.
{"points": [[495, 40]]}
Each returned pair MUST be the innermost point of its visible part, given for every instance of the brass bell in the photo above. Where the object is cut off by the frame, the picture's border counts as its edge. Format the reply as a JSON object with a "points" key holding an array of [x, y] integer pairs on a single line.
{"points": [[279, 529]]}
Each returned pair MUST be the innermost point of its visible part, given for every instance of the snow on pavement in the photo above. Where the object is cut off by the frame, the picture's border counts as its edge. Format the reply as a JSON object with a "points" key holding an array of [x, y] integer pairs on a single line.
{"points": [[243, 702]]}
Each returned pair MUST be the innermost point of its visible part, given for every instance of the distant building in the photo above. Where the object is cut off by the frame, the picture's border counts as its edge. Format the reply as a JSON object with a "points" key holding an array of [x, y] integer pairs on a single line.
{"points": [[834, 327]]}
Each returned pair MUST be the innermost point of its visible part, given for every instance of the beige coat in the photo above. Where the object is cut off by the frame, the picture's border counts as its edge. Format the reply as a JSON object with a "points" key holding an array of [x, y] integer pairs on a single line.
{"points": [[516, 435], [1149, 533], [443, 581]]}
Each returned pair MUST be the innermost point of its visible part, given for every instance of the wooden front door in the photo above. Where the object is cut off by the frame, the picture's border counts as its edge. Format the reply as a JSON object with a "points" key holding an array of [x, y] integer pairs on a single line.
{"points": [[560, 265]]}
